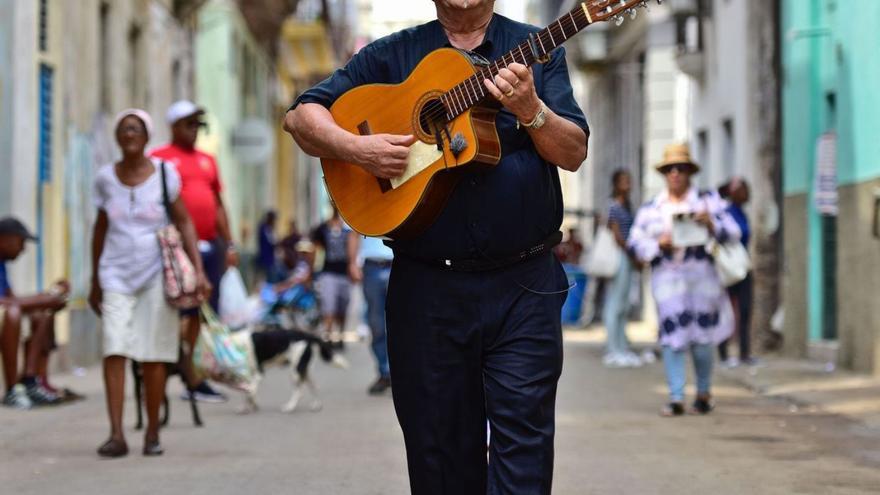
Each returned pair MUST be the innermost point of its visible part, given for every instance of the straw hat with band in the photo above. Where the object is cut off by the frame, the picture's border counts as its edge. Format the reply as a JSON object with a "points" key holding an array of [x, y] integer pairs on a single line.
{"points": [[677, 154]]}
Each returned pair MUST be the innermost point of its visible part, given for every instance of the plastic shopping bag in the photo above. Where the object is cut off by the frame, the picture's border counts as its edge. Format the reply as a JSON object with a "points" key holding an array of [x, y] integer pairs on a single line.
{"points": [[220, 356], [234, 306], [605, 256]]}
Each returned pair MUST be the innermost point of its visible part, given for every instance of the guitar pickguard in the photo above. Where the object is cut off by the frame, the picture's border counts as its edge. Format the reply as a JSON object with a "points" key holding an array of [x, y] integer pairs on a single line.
{"points": [[421, 156]]}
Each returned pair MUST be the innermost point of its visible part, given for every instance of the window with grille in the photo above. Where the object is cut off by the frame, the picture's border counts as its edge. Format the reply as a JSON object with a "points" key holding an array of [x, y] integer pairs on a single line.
{"points": [[47, 76]]}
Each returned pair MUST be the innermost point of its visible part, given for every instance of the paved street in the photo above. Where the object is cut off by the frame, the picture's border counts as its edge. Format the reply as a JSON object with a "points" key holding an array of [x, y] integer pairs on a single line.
{"points": [[610, 441]]}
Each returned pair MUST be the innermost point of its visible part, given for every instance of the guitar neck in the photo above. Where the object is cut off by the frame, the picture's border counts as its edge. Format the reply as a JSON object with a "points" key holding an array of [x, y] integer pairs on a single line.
{"points": [[471, 92]]}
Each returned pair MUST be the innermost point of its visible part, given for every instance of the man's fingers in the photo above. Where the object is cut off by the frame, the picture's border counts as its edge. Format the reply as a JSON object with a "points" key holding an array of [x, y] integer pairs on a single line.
{"points": [[493, 90], [521, 71], [508, 75], [503, 84], [407, 140]]}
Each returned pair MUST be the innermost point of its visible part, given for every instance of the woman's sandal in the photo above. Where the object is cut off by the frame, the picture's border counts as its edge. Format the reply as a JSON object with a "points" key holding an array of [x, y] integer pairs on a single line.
{"points": [[672, 409], [702, 405], [113, 448]]}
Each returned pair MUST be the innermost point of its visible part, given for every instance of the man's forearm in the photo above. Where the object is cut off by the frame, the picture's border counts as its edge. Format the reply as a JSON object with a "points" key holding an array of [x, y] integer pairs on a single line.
{"points": [[313, 128], [560, 142], [223, 222]]}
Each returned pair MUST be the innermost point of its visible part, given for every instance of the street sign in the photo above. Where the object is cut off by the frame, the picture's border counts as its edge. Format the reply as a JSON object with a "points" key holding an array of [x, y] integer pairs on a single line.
{"points": [[253, 142], [825, 180]]}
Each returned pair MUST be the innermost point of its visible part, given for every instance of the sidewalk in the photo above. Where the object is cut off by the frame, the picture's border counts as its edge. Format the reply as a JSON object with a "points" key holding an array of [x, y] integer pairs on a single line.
{"points": [[810, 385], [609, 440], [813, 385]]}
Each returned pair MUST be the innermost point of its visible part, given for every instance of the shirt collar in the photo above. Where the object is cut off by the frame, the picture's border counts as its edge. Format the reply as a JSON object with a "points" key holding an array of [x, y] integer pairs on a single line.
{"points": [[489, 40]]}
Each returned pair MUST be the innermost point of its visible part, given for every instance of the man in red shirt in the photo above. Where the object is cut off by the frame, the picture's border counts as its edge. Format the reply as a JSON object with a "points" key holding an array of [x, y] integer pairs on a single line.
{"points": [[200, 192]]}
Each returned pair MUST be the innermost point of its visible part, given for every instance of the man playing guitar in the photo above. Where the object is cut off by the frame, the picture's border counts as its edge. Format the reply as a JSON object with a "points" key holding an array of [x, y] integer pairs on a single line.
{"points": [[474, 301]]}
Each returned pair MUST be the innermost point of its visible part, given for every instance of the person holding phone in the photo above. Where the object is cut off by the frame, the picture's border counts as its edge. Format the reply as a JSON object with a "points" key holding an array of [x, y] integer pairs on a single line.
{"points": [[670, 234]]}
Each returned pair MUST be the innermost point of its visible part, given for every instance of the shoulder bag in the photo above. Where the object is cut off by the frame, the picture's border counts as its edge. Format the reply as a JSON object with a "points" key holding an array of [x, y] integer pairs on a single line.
{"points": [[178, 272]]}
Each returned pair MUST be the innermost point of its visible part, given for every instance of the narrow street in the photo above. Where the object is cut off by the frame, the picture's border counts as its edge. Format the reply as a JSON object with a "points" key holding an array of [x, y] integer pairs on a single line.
{"points": [[610, 440]]}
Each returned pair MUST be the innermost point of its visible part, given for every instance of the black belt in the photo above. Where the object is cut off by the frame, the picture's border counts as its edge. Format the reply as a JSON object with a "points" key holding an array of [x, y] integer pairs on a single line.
{"points": [[379, 263], [488, 264]]}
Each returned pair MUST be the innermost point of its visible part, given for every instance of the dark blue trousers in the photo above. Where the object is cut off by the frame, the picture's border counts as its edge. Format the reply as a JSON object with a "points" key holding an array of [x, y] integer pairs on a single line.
{"points": [[467, 347]]}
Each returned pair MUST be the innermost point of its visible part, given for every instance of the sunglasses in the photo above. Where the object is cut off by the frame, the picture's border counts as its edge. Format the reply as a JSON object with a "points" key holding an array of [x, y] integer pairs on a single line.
{"points": [[682, 168], [196, 124]]}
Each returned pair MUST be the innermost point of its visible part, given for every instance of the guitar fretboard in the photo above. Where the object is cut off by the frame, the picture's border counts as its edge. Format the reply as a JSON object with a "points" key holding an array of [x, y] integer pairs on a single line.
{"points": [[472, 91]]}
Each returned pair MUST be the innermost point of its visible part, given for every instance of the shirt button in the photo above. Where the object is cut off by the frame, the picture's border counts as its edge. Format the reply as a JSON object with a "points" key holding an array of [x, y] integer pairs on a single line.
{"points": [[474, 182]]}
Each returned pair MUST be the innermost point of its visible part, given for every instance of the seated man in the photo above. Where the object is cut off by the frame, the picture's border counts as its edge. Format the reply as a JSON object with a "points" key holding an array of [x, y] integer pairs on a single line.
{"points": [[41, 309]]}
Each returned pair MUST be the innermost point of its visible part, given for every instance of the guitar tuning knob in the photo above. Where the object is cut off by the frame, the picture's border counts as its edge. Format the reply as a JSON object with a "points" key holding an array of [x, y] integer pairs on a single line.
{"points": [[633, 13], [618, 20]]}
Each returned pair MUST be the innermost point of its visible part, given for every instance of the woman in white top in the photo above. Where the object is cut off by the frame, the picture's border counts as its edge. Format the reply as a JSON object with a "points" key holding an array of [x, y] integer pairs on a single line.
{"points": [[127, 291]]}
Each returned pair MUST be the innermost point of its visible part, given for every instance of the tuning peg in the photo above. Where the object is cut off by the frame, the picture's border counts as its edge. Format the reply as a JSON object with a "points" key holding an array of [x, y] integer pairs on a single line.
{"points": [[633, 13], [618, 20]]}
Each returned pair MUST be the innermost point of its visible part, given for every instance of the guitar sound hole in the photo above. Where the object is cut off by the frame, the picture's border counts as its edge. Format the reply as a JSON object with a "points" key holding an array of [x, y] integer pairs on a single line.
{"points": [[431, 117]]}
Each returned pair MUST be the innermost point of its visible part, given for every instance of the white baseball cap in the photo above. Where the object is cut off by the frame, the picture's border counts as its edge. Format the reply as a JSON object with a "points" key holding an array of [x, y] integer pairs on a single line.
{"points": [[181, 110]]}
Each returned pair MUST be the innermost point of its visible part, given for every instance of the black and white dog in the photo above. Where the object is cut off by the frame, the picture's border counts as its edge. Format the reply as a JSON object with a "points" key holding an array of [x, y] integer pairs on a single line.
{"points": [[291, 348]]}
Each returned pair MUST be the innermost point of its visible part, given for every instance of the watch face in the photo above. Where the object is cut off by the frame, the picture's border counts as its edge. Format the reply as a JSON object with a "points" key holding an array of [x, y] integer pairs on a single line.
{"points": [[540, 119]]}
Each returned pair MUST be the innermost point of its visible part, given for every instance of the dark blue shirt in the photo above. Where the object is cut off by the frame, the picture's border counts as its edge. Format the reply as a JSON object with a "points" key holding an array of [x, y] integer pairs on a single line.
{"points": [[4, 280], [266, 247], [742, 220], [506, 209]]}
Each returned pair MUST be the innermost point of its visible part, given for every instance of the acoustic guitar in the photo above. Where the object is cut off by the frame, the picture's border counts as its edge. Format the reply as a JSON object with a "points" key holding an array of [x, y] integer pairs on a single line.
{"points": [[444, 104]]}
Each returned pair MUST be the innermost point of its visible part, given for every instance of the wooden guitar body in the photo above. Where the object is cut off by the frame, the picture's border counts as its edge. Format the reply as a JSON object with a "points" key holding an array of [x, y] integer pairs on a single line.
{"points": [[402, 209]]}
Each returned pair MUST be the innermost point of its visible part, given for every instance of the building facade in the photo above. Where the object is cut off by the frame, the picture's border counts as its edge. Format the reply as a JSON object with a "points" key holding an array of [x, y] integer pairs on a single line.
{"points": [[831, 180], [235, 83], [729, 49], [67, 68]]}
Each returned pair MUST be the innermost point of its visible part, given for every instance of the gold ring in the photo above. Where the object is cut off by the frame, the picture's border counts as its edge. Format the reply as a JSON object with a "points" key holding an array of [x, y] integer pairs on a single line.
{"points": [[509, 93]]}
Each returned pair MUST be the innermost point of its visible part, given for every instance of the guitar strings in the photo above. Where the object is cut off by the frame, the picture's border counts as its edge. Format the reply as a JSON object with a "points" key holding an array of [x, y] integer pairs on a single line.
{"points": [[472, 83], [469, 85]]}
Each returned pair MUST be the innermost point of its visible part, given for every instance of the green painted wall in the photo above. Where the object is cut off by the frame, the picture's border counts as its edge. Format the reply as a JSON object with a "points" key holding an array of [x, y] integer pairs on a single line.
{"points": [[828, 50], [233, 83], [858, 76], [830, 82]]}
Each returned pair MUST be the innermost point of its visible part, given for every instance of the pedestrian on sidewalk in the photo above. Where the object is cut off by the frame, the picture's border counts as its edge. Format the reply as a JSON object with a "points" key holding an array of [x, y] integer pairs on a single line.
{"points": [[127, 290], [333, 282], [615, 313], [200, 191], [670, 233], [267, 243], [32, 388], [370, 264], [736, 192], [288, 246], [475, 301]]}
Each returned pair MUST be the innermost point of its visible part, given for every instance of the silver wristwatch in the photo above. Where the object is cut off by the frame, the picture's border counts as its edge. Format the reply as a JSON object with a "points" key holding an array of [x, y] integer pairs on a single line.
{"points": [[539, 120]]}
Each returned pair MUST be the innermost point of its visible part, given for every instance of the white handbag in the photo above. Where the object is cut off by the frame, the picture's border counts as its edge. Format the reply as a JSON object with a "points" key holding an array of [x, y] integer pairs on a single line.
{"points": [[604, 258], [732, 262]]}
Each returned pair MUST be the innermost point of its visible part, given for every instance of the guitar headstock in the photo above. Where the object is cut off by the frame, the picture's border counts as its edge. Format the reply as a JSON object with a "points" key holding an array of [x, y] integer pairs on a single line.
{"points": [[613, 10]]}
